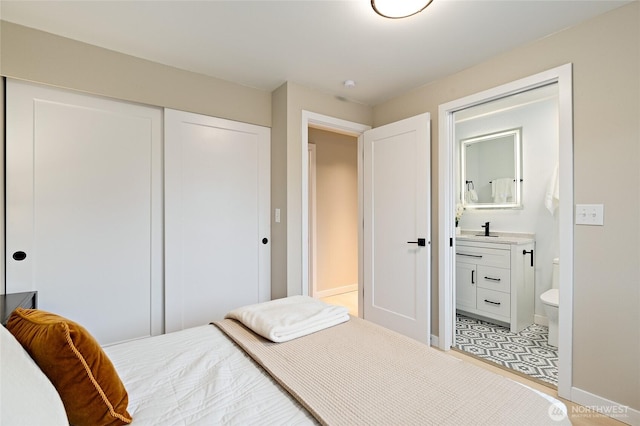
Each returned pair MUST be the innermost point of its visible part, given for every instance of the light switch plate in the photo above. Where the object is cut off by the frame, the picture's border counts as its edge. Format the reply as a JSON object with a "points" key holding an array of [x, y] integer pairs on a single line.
{"points": [[590, 214]]}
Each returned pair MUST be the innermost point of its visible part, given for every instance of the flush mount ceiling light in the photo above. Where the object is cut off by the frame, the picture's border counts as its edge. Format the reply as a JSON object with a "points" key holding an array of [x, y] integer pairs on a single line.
{"points": [[395, 9]]}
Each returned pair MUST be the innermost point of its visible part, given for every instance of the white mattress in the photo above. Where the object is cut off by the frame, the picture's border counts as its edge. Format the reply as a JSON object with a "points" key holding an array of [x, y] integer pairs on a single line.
{"points": [[199, 377]]}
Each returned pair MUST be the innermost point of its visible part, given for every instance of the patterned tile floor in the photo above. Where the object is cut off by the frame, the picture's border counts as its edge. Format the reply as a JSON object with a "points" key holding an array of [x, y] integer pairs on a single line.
{"points": [[526, 352]]}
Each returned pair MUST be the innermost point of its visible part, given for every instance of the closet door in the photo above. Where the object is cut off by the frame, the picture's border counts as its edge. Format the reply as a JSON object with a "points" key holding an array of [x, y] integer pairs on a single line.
{"points": [[84, 207], [217, 217]]}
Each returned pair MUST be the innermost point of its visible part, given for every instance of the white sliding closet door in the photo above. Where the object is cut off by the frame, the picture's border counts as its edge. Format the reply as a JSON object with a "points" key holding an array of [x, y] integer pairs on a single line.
{"points": [[217, 217], [84, 204]]}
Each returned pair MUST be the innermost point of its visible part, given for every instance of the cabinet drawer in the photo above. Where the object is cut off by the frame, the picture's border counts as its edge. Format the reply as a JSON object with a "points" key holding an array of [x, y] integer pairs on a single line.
{"points": [[484, 256], [498, 279], [493, 302]]}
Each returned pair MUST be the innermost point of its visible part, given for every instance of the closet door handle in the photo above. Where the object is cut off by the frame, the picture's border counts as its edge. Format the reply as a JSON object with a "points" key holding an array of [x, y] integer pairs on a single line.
{"points": [[492, 279], [473, 281], [19, 255], [493, 303]]}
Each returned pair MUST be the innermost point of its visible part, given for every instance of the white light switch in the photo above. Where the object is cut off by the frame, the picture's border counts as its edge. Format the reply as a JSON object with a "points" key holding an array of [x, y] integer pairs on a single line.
{"points": [[590, 214], [277, 216]]}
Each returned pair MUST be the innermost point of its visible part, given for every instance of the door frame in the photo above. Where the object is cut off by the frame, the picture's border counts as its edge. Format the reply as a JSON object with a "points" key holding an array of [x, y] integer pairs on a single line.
{"points": [[336, 125], [446, 208], [313, 238]]}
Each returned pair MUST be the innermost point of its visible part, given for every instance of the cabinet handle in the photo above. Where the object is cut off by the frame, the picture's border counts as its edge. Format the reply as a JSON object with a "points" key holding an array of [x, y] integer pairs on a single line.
{"points": [[477, 256], [525, 252], [472, 277], [492, 279], [493, 303]]}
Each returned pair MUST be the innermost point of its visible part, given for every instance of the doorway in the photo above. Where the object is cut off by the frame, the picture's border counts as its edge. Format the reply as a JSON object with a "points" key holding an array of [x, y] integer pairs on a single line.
{"points": [[393, 170], [448, 197], [311, 120], [514, 140], [333, 218]]}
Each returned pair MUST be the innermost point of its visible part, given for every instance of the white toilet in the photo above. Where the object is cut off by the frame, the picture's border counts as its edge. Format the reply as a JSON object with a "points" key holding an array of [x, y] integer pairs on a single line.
{"points": [[550, 300]]}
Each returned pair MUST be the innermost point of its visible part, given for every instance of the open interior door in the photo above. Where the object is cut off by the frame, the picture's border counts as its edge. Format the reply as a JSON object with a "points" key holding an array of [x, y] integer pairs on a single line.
{"points": [[397, 234]]}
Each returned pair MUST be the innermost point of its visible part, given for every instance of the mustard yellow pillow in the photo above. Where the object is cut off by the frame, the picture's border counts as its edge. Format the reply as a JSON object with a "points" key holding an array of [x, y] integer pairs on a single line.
{"points": [[83, 375]]}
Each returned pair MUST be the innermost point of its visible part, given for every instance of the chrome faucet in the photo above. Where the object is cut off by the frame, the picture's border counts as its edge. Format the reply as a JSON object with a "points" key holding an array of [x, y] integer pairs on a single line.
{"points": [[486, 229]]}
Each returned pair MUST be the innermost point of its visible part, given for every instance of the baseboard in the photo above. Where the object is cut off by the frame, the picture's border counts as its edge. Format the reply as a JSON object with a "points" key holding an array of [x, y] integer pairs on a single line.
{"points": [[612, 409], [336, 290], [541, 320], [435, 342]]}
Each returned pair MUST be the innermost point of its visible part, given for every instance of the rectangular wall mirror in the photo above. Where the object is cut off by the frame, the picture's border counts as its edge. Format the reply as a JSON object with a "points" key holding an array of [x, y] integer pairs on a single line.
{"points": [[491, 170]]}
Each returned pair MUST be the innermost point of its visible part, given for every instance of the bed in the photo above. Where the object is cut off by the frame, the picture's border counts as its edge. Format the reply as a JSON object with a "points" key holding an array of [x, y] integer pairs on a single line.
{"points": [[226, 373]]}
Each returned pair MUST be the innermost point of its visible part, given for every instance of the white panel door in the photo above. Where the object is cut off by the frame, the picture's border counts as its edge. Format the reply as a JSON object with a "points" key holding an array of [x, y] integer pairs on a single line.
{"points": [[84, 205], [217, 217], [396, 218]]}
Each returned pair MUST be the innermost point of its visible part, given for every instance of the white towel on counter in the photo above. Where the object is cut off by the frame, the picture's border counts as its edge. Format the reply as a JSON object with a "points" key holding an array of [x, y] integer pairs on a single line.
{"points": [[502, 190], [285, 319], [552, 197]]}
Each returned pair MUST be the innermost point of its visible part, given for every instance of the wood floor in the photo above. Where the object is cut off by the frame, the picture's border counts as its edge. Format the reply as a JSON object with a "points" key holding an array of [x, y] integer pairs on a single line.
{"points": [[349, 300], [579, 415]]}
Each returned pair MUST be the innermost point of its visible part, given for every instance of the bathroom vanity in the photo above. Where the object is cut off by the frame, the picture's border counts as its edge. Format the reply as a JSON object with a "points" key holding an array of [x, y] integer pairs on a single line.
{"points": [[495, 278]]}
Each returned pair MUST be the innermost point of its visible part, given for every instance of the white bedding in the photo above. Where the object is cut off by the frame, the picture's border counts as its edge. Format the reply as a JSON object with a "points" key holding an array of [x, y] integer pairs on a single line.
{"points": [[199, 377]]}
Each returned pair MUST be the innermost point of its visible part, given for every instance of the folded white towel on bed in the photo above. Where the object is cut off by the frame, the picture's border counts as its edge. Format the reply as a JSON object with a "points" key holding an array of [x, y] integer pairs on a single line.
{"points": [[285, 319]]}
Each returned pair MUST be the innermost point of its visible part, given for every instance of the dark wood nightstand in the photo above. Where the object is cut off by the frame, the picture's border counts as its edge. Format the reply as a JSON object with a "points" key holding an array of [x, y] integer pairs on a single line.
{"points": [[9, 302]]}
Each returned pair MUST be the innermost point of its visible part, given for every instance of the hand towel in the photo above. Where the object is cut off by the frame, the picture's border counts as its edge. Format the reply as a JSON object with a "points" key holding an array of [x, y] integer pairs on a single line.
{"points": [[552, 197], [285, 319], [502, 190], [471, 196]]}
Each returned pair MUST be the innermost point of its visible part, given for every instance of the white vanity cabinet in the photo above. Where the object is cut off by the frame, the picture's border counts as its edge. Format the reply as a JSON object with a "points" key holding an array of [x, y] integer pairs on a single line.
{"points": [[495, 280]]}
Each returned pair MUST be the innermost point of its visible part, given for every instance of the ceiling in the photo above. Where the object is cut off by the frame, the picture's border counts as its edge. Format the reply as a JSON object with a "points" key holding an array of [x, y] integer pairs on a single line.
{"points": [[318, 44]]}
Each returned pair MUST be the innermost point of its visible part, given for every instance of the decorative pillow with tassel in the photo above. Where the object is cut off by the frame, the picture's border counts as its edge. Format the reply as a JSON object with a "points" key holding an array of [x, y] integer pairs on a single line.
{"points": [[83, 375]]}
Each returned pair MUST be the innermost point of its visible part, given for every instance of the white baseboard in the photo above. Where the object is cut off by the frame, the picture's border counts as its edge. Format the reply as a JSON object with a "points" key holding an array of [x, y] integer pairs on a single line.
{"points": [[541, 319], [603, 406], [336, 290], [435, 342]]}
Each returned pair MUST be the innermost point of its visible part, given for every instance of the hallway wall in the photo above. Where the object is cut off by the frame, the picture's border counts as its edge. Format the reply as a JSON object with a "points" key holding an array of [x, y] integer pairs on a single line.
{"points": [[336, 212]]}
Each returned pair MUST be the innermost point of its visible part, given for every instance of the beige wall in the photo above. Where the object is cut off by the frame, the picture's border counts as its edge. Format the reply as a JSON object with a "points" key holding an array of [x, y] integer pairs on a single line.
{"points": [[336, 209], [279, 193], [41, 57], [605, 53], [2, 190]]}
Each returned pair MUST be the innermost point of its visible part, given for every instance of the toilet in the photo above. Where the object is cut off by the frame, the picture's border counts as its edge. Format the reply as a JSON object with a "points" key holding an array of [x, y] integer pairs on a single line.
{"points": [[550, 300]]}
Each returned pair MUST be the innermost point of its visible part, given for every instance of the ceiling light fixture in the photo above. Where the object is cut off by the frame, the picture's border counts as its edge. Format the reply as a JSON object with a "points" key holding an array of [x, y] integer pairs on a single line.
{"points": [[395, 9]]}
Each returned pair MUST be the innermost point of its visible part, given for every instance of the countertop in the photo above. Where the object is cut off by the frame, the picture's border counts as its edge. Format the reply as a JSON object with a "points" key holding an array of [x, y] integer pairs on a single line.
{"points": [[497, 237]]}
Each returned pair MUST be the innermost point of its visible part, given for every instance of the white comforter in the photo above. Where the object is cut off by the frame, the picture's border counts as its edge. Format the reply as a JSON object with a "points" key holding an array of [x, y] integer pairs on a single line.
{"points": [[199, 377]]}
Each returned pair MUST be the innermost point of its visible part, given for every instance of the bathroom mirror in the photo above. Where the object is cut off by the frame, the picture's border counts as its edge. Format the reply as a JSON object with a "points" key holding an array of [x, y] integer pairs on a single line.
{"points": [[491, 170]]}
